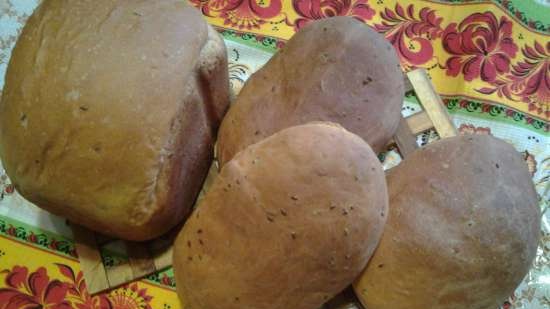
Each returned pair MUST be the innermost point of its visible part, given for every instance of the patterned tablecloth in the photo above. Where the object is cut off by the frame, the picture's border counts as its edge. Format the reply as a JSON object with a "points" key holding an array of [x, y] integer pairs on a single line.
{"points": [[490, 60]]}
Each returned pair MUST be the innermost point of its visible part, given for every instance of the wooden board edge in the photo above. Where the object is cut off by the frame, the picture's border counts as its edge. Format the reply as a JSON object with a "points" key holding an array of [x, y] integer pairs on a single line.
{"points": [[89, 256], [405, 139], [432, 103], [140, 258], [119, 275], [163, 259]]}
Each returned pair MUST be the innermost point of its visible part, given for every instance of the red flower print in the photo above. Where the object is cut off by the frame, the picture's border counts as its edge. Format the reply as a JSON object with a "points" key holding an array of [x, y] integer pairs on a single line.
{"points": [[53, 244], [32, 238], [130, 297], [9, 189], [166, 280], [11, 231], [528, 81], [471, 129], [33, 290], [532, 78], [16, 278], [240, 13], [510, 303], [531, 162], [78, 293], [410, 34], [310, 10], [6, 188], [481, 46]]}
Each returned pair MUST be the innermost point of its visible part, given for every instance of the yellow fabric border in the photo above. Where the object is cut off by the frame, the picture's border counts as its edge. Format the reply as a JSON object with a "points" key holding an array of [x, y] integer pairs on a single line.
{"points": [[428, 29]]}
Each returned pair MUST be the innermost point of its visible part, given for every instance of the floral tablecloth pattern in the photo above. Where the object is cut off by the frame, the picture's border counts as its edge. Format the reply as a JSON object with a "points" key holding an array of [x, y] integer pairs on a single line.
{"points": [[489, 59]]}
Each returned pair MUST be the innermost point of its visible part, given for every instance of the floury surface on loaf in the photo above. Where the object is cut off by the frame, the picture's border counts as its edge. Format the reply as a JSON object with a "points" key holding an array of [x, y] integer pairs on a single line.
{"points": [[110, 109], [288, 223], [335, 69]]}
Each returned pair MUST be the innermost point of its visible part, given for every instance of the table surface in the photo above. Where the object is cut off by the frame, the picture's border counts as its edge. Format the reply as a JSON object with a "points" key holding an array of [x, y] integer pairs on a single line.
{"points": [[478, 86]]}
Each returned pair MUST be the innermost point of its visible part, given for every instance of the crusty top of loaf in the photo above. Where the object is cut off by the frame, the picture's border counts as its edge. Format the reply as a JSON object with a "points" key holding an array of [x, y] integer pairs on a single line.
{"points": [[336, 69], [289, 222], [91, 93], [462, 231]]}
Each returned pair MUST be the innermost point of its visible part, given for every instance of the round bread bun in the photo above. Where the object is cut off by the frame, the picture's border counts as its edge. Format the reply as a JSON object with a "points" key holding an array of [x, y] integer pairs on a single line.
{"points": [[288, 223], [462, 232], [335, 69], [109, 112]]}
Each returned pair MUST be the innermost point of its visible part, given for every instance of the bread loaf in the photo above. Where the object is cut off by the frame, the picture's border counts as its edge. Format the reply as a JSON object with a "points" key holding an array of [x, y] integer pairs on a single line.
{"points": [[462, 231], [110, 109], [335, 69], [288, 223]]}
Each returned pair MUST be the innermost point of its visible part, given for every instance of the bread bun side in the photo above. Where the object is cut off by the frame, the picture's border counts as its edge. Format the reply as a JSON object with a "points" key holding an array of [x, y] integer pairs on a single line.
{"points": [[288, 223], [462, 231], [109, 112], [336, 69]]}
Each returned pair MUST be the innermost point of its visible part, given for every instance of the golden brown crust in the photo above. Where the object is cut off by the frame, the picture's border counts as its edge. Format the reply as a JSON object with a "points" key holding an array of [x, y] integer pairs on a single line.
{"points": [[104, 108], [462, 231], [288, 223], [337, 70]]}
